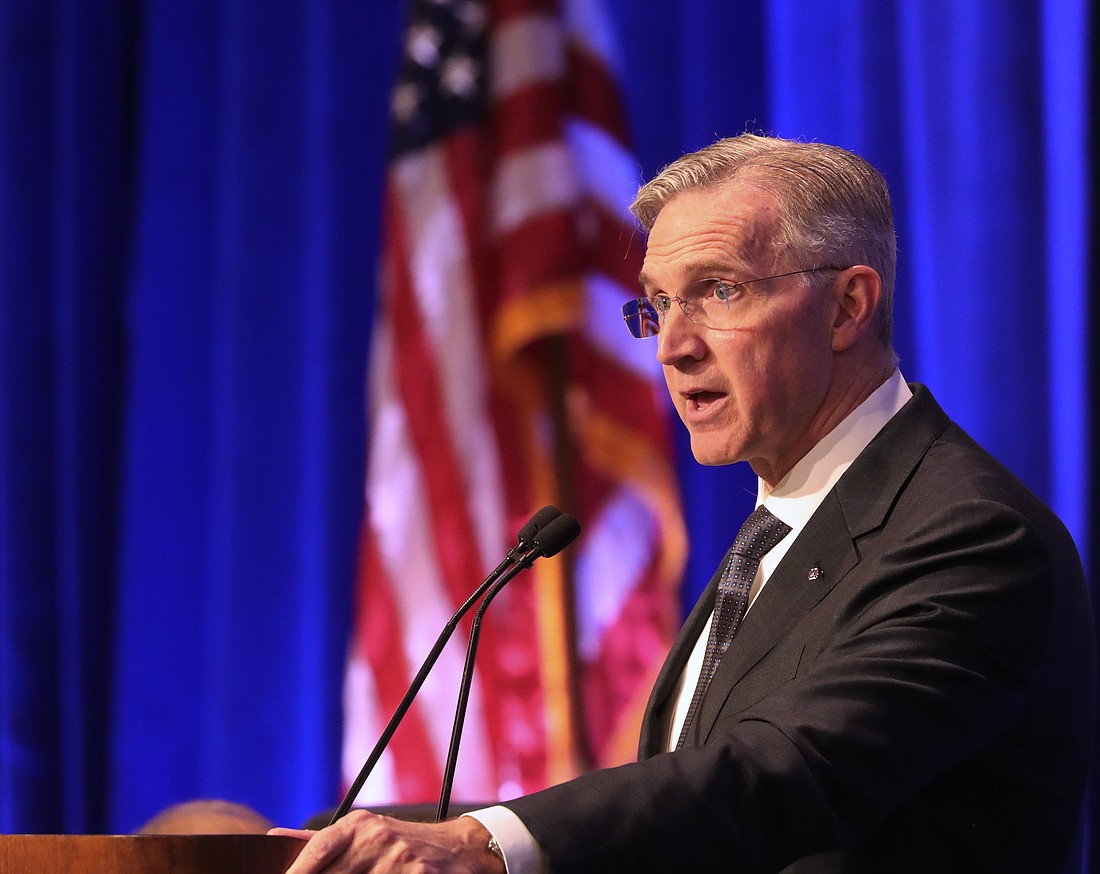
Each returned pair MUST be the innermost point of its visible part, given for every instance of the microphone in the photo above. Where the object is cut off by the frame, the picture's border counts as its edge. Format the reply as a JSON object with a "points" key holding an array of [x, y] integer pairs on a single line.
{"points": [[557, 534], [554, 536], [526, 542], [534, 526]]}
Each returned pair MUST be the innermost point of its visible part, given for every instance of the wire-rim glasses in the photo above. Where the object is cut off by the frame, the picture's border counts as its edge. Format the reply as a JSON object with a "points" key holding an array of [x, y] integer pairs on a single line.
{"points": [[710, 302]]}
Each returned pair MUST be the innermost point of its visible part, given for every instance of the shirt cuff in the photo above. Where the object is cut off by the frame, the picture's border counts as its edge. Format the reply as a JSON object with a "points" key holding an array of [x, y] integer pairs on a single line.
{"points": [[521, 852]]}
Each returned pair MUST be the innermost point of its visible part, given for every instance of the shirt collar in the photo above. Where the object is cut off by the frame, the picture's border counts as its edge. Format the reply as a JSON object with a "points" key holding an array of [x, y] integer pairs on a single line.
{"points": [[795, 497]]}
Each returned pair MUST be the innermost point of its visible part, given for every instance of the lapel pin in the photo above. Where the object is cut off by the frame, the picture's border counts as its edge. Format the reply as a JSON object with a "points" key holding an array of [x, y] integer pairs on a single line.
{"points": [[814, 573]]}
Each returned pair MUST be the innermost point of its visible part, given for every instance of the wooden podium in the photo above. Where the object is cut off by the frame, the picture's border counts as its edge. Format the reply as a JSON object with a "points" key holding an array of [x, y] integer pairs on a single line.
{"points": [[147, 854]]}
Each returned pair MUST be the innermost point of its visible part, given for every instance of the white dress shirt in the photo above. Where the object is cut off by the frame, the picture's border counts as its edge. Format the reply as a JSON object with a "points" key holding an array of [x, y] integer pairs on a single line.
{"points": [[793, 500]]}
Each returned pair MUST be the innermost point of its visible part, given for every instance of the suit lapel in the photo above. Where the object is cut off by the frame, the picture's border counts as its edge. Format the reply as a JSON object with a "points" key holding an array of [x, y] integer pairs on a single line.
{"points": [[654, 731], [825, 543]]}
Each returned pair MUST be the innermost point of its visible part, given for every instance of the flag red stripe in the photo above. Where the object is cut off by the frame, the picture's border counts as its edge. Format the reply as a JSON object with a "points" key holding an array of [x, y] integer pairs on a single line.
{"points": [[421, 397], [504, 11], [619, 393], [378, 636], [464, 159], [529, 117], [618, 250], [468, 164], [539, 251], [594, 95], [629, 648], [453, 531]]}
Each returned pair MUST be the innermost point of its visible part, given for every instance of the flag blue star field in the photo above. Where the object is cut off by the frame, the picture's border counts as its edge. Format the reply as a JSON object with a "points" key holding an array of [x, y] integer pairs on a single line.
{"points": [[503, 379]]}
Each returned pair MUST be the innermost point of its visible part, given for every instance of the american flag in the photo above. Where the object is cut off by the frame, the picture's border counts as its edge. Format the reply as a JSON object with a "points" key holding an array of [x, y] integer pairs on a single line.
{"points": [[502, 379]]}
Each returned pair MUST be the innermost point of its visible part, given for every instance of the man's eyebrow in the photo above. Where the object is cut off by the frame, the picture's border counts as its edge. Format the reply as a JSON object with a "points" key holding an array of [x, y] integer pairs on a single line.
{"points": [[702, 270]]}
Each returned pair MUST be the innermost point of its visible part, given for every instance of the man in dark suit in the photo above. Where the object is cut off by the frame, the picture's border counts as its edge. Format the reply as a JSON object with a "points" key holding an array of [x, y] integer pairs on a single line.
{"points": [[893, 670]]}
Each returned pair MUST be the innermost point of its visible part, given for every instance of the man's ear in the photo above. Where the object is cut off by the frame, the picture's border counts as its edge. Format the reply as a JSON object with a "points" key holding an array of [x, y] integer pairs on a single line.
{"points": [[856, 296]]}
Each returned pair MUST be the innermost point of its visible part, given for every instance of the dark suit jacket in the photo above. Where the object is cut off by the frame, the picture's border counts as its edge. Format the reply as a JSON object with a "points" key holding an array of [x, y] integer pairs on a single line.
{"points": [[924, 705]]}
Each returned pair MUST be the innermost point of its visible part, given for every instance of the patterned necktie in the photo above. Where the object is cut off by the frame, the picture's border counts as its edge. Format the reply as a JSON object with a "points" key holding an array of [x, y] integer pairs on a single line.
{"points": [[760, 533]]}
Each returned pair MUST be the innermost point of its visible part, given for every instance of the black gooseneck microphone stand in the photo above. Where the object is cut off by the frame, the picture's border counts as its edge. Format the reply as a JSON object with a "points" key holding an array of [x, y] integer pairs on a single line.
{"points": [[517, 554]]}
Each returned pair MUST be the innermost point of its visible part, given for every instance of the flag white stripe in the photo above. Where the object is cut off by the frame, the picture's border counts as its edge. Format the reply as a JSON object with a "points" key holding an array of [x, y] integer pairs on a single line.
{"points": [[590, 27], [617, 551], [441, 275], [532, 183], [399, 517], [360, 697], [604, 168], [528, 50], [603, 325]]}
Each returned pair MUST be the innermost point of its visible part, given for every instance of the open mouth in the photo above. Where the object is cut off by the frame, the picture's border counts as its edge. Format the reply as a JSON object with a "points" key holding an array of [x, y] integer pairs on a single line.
{"points": [[700, 400]]}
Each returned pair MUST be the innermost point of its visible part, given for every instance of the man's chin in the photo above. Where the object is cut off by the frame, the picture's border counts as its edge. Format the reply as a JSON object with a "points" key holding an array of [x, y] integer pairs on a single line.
{"points": [[709, 454]]}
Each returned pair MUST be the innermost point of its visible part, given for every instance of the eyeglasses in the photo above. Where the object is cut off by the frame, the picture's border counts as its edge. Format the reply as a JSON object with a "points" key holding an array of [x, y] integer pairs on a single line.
{"points": [[712, 303]]}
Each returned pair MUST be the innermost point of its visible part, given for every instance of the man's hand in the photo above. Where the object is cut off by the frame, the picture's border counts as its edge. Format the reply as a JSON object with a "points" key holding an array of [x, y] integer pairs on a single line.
{"points": [[363, 841]]}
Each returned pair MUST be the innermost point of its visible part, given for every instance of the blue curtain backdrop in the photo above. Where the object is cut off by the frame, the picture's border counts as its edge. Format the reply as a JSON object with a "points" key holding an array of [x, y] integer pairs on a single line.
{"points": [[189, 204]]}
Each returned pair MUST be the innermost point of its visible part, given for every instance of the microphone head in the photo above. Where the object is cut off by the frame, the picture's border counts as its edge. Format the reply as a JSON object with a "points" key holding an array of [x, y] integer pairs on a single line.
{"points": [[536, 523], [557, 534]]}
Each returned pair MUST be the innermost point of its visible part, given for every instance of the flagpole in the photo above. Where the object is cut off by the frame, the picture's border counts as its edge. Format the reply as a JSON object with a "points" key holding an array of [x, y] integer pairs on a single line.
{"points": [[565, 459]]}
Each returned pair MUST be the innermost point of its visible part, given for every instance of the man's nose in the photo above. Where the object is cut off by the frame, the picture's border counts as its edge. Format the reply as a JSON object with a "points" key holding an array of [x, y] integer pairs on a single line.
{"points": [[678, 338]]}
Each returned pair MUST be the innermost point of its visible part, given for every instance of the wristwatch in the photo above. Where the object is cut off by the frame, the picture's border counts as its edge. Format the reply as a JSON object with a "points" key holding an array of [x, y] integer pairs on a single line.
{"points": [[495, 849]]}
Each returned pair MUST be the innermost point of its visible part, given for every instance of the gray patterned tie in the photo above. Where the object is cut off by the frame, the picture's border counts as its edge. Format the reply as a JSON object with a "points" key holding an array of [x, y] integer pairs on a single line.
{"points": [[760, 533]]}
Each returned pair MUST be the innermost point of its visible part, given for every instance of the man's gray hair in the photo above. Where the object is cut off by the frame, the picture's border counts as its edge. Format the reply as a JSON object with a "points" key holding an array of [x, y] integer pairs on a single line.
{"points": [[834, 207]]}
